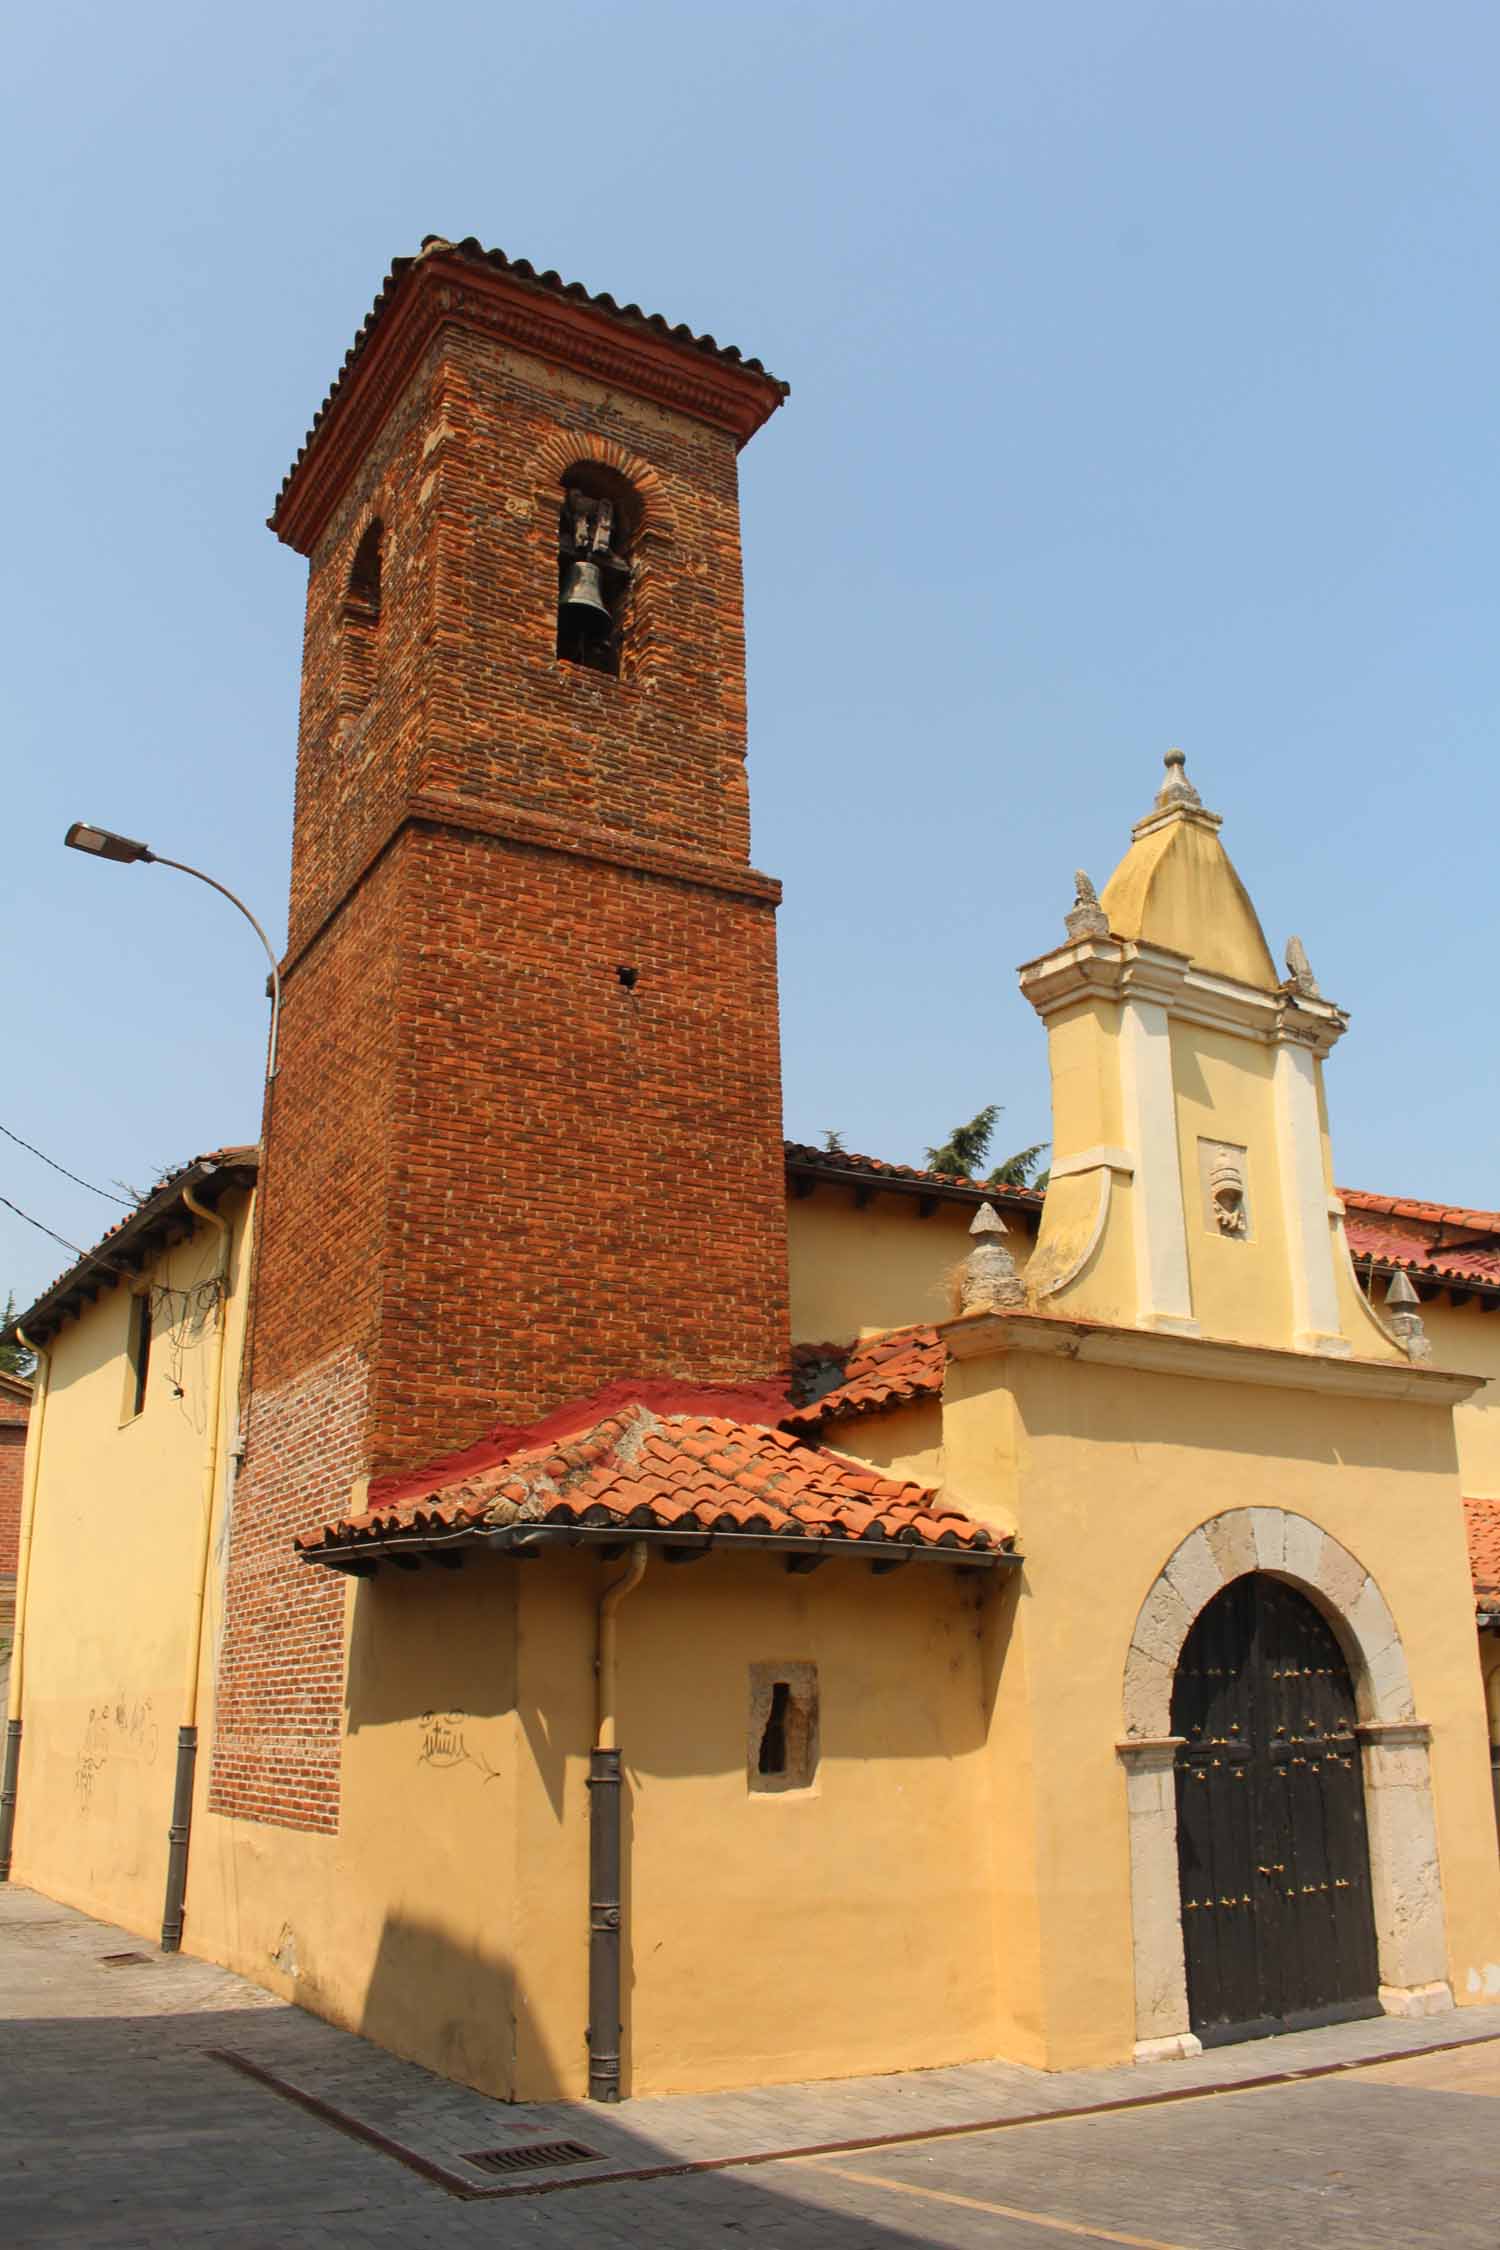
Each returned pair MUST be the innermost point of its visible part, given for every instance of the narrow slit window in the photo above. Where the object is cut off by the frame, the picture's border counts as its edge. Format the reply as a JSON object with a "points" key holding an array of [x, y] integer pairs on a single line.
{"points": [[140, 1351], [773, 1741], [359, 624], [782, 1750]]}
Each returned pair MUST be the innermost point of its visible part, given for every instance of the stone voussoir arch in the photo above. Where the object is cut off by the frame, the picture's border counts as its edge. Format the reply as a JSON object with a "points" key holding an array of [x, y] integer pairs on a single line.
{"points": [[1406, 1888], [651, 549], [1285, 1546], [567, 449]]}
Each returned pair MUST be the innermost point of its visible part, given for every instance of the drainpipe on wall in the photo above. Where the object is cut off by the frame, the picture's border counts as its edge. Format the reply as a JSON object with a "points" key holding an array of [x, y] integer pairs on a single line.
{"points": [[180, 1832], [605, 1913], [23, 1580]]}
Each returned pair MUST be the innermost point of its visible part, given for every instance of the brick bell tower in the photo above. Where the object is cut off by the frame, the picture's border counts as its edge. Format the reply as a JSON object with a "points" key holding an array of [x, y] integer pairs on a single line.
{"points": [[525, 1138]]}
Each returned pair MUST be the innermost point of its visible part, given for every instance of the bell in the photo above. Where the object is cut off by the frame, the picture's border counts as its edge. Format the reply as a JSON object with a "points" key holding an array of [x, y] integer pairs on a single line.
{"points": [[583, 598]]}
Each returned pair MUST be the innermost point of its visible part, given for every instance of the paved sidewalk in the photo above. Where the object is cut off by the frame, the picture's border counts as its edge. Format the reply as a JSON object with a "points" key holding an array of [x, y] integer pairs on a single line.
{"points": [[121, 2110]]}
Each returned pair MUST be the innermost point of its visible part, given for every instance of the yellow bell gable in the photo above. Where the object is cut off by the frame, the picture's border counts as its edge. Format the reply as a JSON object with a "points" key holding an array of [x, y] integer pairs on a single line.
{"points": [[1191, 1187], [1176, 887]]}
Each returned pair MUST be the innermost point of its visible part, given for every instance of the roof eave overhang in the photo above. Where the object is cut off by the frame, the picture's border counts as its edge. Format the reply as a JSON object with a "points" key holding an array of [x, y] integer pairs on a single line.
{"points": [[360, 1558], [162, 1219], [444, 288], [807, 1173]]}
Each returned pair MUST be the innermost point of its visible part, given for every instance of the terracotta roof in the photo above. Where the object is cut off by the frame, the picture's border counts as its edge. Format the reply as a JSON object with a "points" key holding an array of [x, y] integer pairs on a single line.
{"points": [[1431, 1214], [855, 1171], [1482, 1519], [873, 1373], [697, 1475], [1383, 1230], [117, 1255], [548, 283], [1388, 1231]]}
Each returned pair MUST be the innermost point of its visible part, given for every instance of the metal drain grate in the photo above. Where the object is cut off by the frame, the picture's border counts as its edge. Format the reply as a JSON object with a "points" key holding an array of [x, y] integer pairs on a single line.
{"points": [[124, 1960], [535, 2156]]}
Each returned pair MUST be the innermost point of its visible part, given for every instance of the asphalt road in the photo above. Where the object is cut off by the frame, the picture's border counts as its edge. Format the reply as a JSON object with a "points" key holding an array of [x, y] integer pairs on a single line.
{"points": [[121, 2129]]}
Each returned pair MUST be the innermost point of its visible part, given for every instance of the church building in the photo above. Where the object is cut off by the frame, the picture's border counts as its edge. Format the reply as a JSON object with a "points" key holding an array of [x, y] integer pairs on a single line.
{"points": [[620, 1606]]}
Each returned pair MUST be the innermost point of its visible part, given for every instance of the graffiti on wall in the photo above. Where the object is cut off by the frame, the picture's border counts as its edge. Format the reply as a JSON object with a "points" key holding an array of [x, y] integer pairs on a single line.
{"points": [[446, 1744], [125, 1730]]}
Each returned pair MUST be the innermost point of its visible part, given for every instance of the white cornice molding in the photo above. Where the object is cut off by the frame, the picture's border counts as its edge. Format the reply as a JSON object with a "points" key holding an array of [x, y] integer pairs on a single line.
{"points": [[1094, 1160], [1201, 1358], [1116, 968]]}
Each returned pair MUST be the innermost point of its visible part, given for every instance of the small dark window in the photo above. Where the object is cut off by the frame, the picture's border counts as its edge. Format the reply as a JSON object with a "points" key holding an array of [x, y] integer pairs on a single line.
{"points": [[139, 1349], [593, 568], [359, 624], [364, 575], [783, 1744], [773, 1741]]}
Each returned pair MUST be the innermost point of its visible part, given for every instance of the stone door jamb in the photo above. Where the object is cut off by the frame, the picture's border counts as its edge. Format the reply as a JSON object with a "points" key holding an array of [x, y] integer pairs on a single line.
{"points": [[1405, 1884]]}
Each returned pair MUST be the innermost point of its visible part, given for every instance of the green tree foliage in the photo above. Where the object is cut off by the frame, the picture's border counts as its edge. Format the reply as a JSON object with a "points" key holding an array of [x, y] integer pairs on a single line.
{"points": [[964, 1151], [14, 1358]]}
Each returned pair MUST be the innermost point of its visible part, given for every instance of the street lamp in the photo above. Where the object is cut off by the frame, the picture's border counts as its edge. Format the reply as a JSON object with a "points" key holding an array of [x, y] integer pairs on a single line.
{"points": [[103, 843]]}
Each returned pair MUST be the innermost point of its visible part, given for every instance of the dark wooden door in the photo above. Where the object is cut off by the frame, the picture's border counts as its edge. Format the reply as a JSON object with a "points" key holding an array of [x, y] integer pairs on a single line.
{"points": [[1275, 1869]]}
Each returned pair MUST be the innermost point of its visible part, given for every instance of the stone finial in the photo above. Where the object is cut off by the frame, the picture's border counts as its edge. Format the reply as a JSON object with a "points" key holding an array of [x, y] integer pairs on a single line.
{"points": [[1299, 970], [1401, 1314], [1088, 918], [1176, 789], [990, 1282]]}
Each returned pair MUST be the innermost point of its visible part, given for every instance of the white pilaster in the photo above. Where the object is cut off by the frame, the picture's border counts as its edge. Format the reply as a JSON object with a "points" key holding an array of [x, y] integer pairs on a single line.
{"points": [[1304, 1195], [1164, 1296]]}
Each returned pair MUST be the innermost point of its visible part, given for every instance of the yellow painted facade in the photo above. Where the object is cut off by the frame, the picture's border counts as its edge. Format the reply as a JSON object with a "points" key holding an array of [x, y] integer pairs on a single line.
{"points": [[1186, 1385]]}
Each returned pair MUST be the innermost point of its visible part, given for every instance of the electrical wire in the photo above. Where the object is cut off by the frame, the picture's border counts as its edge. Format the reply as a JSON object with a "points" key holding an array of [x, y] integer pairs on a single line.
{"points": [[96, 1256], [67, 1175]]}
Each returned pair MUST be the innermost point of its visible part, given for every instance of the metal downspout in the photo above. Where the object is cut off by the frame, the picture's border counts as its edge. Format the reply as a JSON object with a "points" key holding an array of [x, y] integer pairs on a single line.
{"points": [[605, 1914], [180, 1833], [18, 1645]]}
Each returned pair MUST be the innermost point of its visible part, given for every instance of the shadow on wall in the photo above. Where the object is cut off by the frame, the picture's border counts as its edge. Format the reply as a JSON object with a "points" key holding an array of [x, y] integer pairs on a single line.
{"points": [[447, 2001]]}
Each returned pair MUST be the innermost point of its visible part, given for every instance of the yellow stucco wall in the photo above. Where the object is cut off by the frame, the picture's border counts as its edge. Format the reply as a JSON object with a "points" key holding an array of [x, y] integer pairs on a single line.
{"points": [[1241, 1285], [771, 1936], [112, 1563], [1468, 1337], [854, 1272], [1103, 1471], [967, 1829], [1176, 887]]}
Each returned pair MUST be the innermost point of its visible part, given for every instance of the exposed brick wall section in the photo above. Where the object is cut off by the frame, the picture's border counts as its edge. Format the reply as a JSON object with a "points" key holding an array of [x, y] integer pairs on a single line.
{"points": [[14, 1411], [278, 1717], [586, 1179], [496, 1177]]}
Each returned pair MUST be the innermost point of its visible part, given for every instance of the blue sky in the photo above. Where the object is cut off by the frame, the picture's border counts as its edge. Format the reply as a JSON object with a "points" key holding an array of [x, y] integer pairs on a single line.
{"points": [[1143, 391]]}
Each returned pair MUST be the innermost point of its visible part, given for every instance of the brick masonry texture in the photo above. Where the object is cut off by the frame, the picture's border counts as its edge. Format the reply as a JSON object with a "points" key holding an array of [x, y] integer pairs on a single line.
{"points": [[13, 1417], [279, 1712], [496, 1176]]}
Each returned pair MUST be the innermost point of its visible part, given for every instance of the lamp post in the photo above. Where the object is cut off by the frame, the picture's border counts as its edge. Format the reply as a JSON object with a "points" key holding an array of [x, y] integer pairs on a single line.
{"points": [[103, 843]]}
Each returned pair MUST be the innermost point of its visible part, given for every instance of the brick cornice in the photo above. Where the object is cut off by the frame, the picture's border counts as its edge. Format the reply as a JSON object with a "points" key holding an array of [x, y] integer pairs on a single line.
{"points": [[434, 810], [443, 289]]}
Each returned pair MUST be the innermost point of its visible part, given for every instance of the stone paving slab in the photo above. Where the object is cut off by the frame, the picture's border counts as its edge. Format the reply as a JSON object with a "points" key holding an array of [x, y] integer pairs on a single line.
{"points": [[51, 1966]]}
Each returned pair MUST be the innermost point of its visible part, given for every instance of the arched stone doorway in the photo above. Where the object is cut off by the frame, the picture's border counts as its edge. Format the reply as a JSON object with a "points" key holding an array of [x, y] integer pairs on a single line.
{"points": [[1277, 1925], [1406, 1891]]}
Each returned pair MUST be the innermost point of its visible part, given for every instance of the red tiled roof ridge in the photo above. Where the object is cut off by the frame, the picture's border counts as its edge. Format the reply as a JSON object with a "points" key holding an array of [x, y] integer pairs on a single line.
{"points": [[1430, 1214], [742, 1402], [637, 1469], [544, 280], [881, 1371], [846, 1160]]}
